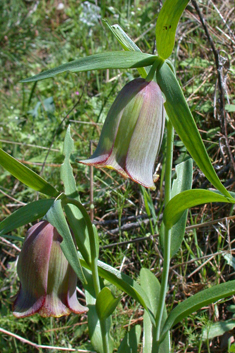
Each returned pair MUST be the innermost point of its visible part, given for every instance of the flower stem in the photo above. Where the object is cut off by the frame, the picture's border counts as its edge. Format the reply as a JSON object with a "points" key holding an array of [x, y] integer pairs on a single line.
{"points": [[167, 238], [93, 239], [153, 69]]}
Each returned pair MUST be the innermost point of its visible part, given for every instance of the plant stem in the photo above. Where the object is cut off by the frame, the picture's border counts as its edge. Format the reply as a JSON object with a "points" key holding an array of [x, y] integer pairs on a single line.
{"points": [[93, 239], [167, 240]]}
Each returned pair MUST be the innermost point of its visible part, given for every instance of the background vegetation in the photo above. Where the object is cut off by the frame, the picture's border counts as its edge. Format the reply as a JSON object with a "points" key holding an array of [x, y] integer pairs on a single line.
{"points": [[44, 34]]}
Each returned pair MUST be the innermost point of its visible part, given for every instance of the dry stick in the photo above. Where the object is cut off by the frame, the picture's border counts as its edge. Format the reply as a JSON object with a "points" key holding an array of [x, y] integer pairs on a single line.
{"points": [[137, 224], [129, 226], [219, 68], [12, 198], [40, 346], [29, 145], [224, 21]]}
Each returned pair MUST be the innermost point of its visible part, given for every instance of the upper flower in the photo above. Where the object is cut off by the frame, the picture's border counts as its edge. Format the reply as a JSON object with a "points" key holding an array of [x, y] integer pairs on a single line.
{"points": [[48, 282], [132, 133]]}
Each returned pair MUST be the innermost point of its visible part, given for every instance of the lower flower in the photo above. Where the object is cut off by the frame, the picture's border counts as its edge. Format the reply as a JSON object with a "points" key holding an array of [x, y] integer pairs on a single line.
{"points": [[47, 280]]}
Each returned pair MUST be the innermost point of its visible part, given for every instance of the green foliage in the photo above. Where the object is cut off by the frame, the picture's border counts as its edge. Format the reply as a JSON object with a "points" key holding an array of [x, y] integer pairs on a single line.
{"points": [[190, 197], [166, 26], [31, 122]]}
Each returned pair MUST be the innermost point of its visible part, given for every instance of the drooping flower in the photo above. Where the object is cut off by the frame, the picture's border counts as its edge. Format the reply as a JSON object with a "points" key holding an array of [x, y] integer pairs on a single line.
{"points": [[132, 133], [47, 280]]}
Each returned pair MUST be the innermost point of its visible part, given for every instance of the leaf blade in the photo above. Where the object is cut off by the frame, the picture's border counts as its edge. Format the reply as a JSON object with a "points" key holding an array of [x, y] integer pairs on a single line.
{"points": [[106, 60], [56, 217], [26, 214], [190, 198], [184, 124], [167, 22], [106, 303], [26, 175], [196, 302]]}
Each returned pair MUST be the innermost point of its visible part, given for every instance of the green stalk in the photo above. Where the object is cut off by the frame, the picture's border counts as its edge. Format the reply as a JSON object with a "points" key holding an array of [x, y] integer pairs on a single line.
{"points": [[167, 240], [153, 69], [94, 265]]}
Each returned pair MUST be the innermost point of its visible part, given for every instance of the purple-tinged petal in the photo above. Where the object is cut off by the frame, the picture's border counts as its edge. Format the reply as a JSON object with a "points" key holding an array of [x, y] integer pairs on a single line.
{"points": [[33, 270], [48, 282], [132, 133], [147, 138]]}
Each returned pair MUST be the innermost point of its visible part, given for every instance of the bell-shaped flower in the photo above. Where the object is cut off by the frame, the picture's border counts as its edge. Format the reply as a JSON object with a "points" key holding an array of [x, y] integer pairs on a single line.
{"points": [[132, 133], [48, 282]]}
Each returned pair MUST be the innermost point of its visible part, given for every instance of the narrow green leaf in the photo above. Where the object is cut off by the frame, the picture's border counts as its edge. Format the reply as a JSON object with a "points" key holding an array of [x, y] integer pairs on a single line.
{"points": [[56, 217], [167, 22], [184, 124], [152, 288], [26, 175], [66, 171], [126, 43], [24, 215], [147, 333], [190, 198], [196, 302], [131, 340], [93, 319], [183, 182], [123, 282], [106, 60], [106, 303], [74, 215]]}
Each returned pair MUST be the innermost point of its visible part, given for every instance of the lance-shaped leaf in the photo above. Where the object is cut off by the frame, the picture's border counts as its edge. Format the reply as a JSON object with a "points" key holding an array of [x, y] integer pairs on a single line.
{"points": [[123, 282], [126, 42], [74, 215], [93, 319], [106, 303], [184, 124], [106, 60], [183, 182], [152, 287], [25, 215], [131, 340], [26, 175], [190, 198], [167, 22], [55, 216], [196, 302]]}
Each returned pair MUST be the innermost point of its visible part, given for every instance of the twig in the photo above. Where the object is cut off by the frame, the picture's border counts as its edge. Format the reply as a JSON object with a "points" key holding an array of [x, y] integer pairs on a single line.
{"points": [[40, 346], [225, 23], [10, 244], [219, 67], [137, 224], [29, 145], [12, 198], [127, 242]]}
